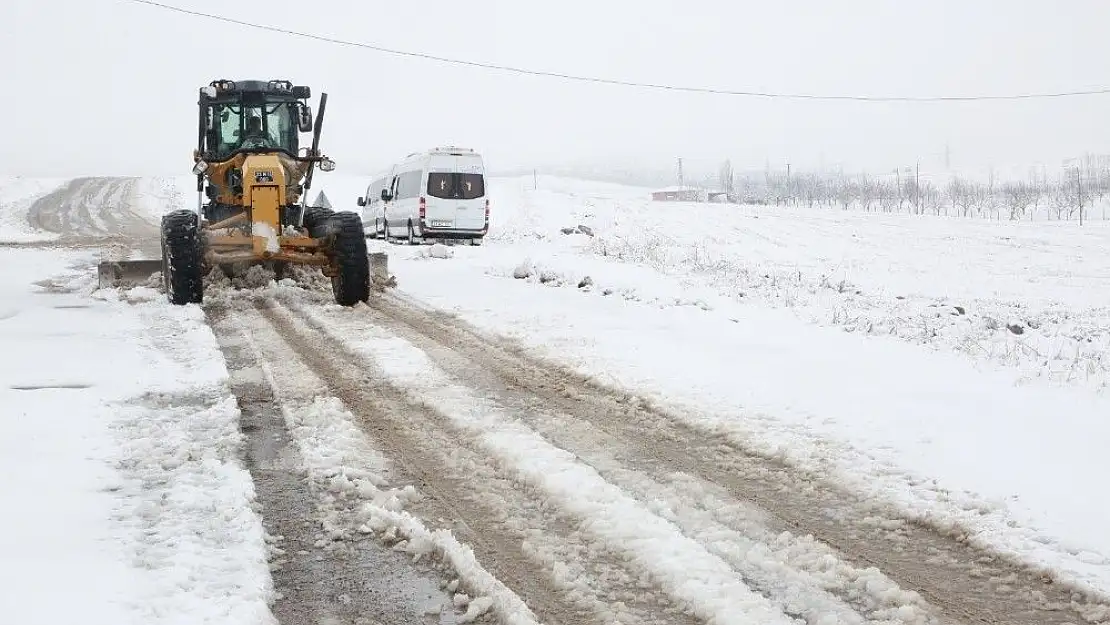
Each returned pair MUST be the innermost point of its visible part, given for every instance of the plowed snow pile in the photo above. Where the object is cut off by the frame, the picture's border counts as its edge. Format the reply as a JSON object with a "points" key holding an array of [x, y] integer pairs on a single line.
{"points": [[124, 492], [16, 195]]}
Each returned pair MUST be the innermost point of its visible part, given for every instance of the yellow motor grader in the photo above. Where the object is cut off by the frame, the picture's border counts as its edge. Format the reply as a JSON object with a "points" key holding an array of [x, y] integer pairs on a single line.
{"points": [[253, 209]]}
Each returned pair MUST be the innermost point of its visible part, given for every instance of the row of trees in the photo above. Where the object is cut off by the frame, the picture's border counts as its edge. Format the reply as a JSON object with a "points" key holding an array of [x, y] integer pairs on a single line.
{"points": [[1040, 196]]}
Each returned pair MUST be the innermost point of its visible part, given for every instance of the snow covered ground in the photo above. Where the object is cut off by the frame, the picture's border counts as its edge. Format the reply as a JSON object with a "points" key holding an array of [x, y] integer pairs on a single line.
{"points": [[125, 499], [953, 369], [1024, 295], [987, 417], [16, 195]]}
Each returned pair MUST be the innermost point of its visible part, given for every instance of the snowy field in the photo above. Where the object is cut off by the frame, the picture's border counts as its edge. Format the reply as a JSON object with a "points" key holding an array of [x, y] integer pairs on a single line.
{"points": [[953, 369], [1028, 296]]}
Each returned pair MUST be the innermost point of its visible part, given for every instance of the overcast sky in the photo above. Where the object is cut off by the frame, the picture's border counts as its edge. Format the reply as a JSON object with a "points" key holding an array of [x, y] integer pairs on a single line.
{"points": [[109, 86]]}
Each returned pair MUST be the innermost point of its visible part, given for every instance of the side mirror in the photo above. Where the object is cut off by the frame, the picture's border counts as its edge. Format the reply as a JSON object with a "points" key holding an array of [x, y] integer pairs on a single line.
{"points": [[386, 196], [327, 164], [304, 119], [361, 201]]}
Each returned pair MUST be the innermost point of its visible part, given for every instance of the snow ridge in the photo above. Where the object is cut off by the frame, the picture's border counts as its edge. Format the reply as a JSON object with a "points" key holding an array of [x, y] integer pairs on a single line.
{"points": [[685, 568], [186, 499], [343, 463]]}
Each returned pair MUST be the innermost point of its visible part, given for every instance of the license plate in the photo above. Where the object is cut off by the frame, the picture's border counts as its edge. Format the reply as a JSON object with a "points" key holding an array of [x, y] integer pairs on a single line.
{"points": [[441, 224]]}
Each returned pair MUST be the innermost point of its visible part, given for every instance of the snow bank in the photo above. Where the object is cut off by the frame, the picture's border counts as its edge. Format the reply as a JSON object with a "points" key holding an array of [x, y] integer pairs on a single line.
{"points": [[157, 196], [16, 196], [192, 501], [122, 440]]}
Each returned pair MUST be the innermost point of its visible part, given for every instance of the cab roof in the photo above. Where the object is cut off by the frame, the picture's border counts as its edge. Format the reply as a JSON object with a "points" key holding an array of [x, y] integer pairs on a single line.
{"points": [[223, 87]]}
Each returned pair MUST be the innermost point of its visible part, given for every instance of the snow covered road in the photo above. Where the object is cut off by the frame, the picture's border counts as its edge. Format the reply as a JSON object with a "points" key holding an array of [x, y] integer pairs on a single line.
{"points": [[470, 446], [324, 568]]}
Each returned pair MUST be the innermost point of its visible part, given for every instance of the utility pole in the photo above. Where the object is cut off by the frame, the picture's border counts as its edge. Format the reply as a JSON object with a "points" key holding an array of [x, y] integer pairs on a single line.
{"points": [[787, 190], [535, 179], [680, 172]]}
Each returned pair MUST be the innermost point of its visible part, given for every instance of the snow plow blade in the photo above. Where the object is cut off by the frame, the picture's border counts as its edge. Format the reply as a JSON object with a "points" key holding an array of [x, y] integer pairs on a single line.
{"points": [[113, 273]]}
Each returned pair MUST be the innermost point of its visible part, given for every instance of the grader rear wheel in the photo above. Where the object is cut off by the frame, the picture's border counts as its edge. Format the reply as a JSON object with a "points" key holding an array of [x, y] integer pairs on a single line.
{"points": [[316, 220]]}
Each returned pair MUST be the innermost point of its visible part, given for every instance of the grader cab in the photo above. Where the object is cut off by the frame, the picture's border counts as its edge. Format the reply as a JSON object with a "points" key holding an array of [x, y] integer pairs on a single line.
{"points": [[253, 177]]}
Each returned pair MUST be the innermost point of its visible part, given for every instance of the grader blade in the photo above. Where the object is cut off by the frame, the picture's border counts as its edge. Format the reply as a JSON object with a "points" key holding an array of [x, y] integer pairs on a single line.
{"points": [[113, 273]]}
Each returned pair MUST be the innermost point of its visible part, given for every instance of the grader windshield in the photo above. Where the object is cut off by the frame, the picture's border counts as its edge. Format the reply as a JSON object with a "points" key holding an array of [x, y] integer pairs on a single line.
{"points": [[267, 125]]}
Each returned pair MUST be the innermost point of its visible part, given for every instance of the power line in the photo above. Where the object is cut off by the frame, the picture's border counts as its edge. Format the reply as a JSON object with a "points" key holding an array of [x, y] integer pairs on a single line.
{"points": [[624, 83]]}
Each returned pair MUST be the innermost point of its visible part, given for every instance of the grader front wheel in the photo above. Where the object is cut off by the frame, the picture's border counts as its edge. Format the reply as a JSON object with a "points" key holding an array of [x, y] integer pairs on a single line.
{"points": [[182, 258], [351, 282]]}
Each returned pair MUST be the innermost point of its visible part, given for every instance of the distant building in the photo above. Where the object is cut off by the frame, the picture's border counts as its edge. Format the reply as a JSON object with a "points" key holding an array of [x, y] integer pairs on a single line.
{"points": [[679, 194], [691, 194]]}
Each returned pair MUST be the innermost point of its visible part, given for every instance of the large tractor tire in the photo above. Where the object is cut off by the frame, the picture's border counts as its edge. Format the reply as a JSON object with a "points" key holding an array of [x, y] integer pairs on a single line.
{"points": [[351, 283], [316, 220], [182, 258]]}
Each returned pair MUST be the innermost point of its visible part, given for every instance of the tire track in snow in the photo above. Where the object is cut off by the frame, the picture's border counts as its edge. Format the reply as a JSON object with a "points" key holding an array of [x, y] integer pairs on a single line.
{"points": [[527, 543], [319, 579], [965, 582], [650, 545], [802, 576]]}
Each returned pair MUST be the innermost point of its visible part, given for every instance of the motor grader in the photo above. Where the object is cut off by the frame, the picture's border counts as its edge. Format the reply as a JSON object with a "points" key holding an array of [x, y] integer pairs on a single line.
{"points": [[253, 178]]}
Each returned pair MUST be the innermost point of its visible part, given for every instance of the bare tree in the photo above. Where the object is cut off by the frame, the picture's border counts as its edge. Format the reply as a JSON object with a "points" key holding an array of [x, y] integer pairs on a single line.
{"points": [[1061, 200], [808, 188], [778, 188], [887, 193], [846, 192], [911, 194], [960, 195], [866, 192], [727, 180], [932, 200], [1018, 197], [990, 199], [1076, 193], [1037, 195]]}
